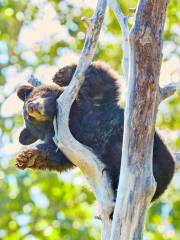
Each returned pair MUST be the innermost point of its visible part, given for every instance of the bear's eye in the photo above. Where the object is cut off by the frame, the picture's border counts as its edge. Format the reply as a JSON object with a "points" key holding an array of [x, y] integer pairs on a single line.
{"points": [[46, 94]]}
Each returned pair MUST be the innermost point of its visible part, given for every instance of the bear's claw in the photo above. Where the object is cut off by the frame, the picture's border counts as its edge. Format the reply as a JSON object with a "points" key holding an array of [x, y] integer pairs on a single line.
{"points": [[26, 159]]}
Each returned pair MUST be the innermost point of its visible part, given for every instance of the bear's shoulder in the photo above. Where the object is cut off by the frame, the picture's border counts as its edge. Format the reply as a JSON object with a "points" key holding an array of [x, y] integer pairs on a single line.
{"points": [[102, 84]]}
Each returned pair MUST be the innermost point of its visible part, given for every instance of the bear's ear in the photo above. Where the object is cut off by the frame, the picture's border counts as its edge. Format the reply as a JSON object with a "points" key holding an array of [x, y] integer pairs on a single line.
{"points": [[23, 91], [26, 137]]}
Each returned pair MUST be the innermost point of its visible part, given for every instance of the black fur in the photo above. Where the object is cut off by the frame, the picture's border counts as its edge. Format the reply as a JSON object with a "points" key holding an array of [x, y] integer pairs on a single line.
{"points": [[96, 120]]}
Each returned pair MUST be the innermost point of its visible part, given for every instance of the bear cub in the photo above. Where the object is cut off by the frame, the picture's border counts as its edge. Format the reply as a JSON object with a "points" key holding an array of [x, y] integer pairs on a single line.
{"points": [[96, 120]]}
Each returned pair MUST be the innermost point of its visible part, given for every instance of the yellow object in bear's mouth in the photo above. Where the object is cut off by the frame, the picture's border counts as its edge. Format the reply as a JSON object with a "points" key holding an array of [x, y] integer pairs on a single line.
{"points": [[35, 109], [37, 116]]}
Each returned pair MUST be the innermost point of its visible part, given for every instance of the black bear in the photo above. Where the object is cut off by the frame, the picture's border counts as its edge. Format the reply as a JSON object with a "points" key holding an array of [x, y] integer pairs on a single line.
{"points": [[96, 120]]}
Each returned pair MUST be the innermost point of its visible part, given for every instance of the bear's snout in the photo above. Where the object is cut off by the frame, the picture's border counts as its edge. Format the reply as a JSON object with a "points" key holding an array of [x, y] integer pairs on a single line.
{"points": [[36, 110], [33, 107]]}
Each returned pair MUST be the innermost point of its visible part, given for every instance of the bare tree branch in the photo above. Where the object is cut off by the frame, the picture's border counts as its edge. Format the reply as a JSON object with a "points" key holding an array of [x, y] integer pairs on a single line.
{"points": [[123, 22], [34, 81], [137, 184], [168, 90], [80, 155]]}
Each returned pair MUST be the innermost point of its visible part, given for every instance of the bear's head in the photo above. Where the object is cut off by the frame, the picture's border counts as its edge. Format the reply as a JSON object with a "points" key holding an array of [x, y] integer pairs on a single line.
{"points": [[39, 111]]}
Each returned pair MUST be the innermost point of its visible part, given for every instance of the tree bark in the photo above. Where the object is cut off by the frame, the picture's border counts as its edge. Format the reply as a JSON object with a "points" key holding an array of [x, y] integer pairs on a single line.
{"points": [[137, 184], [123, 22]]}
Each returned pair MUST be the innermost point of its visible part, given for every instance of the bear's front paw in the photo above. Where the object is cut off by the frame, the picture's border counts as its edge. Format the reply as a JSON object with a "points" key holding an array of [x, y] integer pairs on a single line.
{"points": [[27, 158]]}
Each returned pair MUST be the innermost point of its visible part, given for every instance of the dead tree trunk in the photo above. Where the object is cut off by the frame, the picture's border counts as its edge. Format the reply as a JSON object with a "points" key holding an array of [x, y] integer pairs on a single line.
{"points": [[137, 184]]}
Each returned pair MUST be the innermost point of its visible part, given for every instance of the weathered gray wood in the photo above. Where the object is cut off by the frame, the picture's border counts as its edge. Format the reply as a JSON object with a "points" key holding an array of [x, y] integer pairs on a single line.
{"points": [[123, 22], [137, 184], [76, 152], [66, 99]]}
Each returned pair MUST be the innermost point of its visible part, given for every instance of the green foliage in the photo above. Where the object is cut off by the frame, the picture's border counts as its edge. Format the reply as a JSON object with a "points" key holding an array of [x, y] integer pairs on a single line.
{"points": [[40, 205], [43, 206]]}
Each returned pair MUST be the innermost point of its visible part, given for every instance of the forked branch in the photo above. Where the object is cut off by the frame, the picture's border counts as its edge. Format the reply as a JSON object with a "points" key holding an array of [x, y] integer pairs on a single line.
{"points": [[76, 152], [63, 136]]}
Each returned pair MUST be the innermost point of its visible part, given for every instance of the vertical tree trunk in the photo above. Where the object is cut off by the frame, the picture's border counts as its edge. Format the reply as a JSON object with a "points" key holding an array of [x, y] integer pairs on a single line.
{"points": [[136, 184]]}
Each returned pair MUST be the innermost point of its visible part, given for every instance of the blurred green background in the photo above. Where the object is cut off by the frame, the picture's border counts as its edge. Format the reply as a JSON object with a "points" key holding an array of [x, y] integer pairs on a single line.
{"points": [[39, 36]]}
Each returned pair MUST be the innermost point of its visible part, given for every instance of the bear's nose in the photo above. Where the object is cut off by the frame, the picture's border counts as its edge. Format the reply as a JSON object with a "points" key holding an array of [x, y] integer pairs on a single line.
{"points": [[32, 107]]}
